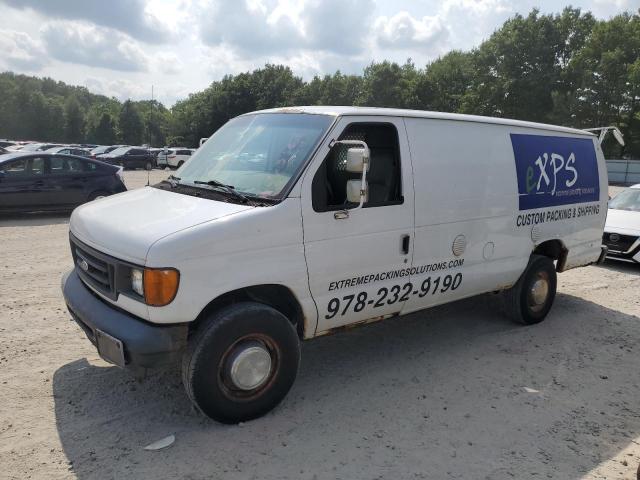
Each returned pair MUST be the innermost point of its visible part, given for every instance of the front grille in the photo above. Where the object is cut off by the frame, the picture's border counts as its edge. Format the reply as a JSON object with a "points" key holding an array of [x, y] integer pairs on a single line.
{"points": [[94, 268], [617, 242]]}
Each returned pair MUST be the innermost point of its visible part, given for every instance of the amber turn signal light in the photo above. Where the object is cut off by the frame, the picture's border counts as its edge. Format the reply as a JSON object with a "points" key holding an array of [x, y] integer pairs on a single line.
{"points": [[160, 286]]}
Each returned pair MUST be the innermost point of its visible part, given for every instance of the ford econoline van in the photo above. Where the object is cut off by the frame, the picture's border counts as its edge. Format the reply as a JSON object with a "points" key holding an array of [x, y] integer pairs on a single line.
{"points": [[291, 223]]}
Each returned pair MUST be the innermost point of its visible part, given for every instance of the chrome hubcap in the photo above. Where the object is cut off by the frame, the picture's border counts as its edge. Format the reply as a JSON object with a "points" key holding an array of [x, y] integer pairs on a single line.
{"points": [[539, 292], [250, 366]]}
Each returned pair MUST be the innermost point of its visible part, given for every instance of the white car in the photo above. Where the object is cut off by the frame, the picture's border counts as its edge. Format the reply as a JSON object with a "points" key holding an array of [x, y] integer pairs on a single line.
{"points": [[174, 157], [622, 230], [293, 223]]}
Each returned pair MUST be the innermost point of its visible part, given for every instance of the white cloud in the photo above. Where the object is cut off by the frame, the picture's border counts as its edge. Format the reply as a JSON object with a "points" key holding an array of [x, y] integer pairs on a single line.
{"points": [[128, 16], [86, 44], [168, 62], [404, 31], [257, 27], [21, 51]]}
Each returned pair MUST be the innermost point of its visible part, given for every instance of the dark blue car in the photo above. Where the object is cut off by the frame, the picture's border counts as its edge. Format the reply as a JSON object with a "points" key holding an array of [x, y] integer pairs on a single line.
{"points": [[38, 181]]}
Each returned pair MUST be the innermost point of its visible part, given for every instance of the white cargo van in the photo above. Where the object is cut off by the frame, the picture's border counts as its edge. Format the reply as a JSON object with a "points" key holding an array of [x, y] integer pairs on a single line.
{"points": [[291, 223]]}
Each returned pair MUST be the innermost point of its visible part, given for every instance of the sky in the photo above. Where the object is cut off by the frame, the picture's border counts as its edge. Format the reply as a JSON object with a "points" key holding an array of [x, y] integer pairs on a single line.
{"points": [[122, 48]]}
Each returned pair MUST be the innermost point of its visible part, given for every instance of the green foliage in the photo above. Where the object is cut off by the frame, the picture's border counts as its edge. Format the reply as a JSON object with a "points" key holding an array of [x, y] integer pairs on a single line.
{"points": [[104, 132], [73, 120], [130, 123], [567, 69]]}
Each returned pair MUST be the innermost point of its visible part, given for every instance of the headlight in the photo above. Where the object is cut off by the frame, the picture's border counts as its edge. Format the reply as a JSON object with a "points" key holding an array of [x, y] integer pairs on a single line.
{"points": [[137, 282], [157, 286]]}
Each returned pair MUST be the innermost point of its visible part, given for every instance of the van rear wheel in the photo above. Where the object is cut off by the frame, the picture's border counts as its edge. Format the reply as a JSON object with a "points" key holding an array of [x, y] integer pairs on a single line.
{"points": [[531, 298], [241, 362]]}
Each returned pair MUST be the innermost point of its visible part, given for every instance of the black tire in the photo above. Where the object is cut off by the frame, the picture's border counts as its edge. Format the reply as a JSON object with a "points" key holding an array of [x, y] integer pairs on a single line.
{"points": [[207, 361], [180, 163], [530, 299], [97, 194]]}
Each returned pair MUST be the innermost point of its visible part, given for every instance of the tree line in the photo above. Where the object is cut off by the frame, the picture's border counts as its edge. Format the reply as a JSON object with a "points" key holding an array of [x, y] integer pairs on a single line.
{"points": [[568, 69]]}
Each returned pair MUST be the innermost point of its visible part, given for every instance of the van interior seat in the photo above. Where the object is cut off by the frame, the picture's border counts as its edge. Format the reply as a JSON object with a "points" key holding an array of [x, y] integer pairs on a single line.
{"points": [[381, 176]]}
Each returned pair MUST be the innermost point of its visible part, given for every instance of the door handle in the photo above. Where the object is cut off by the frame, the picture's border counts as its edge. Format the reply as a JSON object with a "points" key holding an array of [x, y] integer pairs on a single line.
{"points": [[341, 214], [404, 244]]}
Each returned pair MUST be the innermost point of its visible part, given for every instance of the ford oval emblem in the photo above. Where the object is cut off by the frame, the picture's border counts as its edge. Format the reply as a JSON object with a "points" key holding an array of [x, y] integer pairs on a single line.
{"points": [[83, 265], [614, 237]]}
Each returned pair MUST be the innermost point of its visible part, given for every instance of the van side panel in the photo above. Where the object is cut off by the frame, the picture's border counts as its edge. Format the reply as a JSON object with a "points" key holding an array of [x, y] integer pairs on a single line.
{"points": [[467, 192], [464, 182]]}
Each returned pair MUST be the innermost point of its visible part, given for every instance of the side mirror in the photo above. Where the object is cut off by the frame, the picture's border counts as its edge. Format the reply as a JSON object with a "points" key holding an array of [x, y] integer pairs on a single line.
{"points": [[357, 158], [358, 161], [357, 192]]}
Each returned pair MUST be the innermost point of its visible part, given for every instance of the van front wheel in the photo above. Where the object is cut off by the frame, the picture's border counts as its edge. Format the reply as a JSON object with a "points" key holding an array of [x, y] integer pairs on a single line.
{"points": [[531, 298], [241, 362]]}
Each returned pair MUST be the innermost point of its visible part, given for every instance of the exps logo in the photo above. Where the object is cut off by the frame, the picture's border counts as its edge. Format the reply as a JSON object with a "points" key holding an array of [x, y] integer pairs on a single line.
{"points": [[549, 178], [555, 170]]}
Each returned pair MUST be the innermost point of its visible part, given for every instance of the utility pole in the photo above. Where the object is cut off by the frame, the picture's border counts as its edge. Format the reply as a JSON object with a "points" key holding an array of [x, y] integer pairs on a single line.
{"points": [[151, 117]]}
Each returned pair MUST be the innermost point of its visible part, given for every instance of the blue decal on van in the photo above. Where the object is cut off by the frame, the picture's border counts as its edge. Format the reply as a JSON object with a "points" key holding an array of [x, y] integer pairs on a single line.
{"points": [[555, 170]]}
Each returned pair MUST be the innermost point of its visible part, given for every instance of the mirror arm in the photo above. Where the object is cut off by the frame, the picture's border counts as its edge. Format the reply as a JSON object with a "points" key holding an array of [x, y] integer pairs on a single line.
{"points": [[363, 192]]}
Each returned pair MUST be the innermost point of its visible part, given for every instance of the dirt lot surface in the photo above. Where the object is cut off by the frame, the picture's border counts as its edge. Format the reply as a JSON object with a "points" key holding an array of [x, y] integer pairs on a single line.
{"points": [[454, 392]]}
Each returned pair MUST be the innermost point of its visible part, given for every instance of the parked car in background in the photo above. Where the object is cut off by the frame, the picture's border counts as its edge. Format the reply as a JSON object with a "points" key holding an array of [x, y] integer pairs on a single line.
{"points": [[104, 149], [45, 181], [6, 143], [174, 157], [38, 147], [130, 157], [16, 146], [80, 152], [622, 229], [3, 151]]}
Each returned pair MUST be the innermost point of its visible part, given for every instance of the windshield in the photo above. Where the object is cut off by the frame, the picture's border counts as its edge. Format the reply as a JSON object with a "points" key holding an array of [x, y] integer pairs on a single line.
{"points": [[31, 147], [257, 154], [119, 151], [99, 150], [628, 199]]}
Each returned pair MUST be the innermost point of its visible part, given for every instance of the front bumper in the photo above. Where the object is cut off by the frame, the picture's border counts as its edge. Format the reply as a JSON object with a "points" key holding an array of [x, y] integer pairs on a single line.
{"points": [[622, 247], [145, 345]]}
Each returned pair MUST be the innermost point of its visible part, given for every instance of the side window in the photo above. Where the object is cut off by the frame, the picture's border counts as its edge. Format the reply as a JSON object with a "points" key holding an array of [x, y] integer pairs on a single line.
{"points": [[90, 167], [17, 168], [329, 187], [62, 165], [36, 166]]}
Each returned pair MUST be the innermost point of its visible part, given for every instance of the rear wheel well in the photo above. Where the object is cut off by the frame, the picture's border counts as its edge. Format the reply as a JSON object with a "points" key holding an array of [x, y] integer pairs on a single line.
{"points": [[276, 296], [555, 250]]}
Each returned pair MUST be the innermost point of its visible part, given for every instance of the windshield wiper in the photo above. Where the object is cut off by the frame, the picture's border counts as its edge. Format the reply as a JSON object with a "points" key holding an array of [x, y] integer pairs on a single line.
{"points": [[227, 188]]}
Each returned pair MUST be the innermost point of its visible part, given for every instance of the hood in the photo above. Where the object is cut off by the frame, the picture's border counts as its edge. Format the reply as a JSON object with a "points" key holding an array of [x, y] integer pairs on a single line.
{"points": [[126, 225], [623, 221]]}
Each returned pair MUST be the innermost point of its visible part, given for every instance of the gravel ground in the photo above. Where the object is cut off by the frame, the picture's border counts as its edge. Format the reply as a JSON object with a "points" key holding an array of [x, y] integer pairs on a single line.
{"points": [[453, 392]]}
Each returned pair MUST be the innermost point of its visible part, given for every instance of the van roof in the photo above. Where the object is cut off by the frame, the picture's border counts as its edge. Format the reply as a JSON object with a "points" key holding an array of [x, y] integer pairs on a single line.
{"points": [[399, 112]]}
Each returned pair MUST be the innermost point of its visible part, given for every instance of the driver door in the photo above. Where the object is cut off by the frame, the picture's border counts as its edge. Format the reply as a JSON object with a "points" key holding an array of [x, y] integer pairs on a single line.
{"points": [[359, 259]]}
